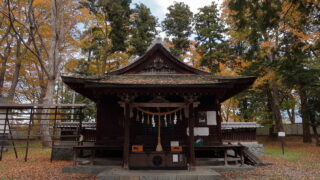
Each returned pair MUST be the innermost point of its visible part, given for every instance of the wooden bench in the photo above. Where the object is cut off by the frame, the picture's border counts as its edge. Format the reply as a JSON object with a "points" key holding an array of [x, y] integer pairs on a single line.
{"points": [[238, 149]]}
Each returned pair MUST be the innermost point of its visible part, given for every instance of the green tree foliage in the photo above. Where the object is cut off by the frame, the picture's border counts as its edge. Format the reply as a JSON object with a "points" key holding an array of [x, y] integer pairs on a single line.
{"points": [[178, 25], [254, 26], [210, 37], [107, 33], [118, 14], [280, 39], [143, 29]]}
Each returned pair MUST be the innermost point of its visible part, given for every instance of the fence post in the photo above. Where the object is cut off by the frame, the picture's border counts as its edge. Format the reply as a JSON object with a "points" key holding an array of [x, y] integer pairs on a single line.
{"points": [[28, 137], [54, 132], [4, 132]]}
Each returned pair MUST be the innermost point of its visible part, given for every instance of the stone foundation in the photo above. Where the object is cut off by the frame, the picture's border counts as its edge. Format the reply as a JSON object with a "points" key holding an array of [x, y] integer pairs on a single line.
{"points": [[254, 147], [4, 142], [62, 153]]}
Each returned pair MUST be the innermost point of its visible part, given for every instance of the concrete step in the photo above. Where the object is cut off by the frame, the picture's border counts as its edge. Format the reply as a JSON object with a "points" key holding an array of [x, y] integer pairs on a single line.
{"points": [[118, 173]]}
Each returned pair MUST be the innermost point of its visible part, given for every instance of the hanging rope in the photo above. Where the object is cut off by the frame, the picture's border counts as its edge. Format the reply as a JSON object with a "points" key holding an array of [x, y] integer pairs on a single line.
{"points": [[161, 113]]}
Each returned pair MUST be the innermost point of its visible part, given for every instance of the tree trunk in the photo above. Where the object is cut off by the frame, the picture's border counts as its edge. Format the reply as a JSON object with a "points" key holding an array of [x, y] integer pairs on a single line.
{"points": [[291, 115], [4, 58], [44, 124], [245, 107], [56, 9], [316, 135], [16, 73], [273, 96], [305, 116], [15, 79], [2, 73], [272, 133], [103, 68]]}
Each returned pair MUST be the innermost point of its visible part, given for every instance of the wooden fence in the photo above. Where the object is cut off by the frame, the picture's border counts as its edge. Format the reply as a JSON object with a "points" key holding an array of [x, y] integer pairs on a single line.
{"points": [[290, 129], [20, 125]]}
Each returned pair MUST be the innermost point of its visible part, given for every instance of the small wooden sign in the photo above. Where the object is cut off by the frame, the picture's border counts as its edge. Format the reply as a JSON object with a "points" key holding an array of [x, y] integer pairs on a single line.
{"points": [[137, 148], [281, 134], [176, 148]]}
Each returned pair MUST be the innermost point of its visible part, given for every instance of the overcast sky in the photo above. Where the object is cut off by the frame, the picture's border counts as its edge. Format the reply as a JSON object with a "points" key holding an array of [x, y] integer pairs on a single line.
{"points": [[159, 7]]}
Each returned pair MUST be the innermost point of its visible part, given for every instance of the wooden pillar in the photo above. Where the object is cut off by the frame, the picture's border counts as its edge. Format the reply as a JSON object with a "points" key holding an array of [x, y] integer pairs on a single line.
{"points": [[100, 118], [126, 135], [191, 135], [219, 120]]}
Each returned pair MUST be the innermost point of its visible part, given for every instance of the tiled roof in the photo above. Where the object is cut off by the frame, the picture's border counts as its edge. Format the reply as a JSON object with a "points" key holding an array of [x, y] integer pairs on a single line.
{"points": [[76, 124], [238, 125], [224, 125], [164, 79]]}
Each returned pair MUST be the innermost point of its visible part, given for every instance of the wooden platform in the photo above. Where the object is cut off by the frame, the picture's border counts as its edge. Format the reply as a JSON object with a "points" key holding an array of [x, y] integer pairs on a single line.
{"points": [[238, 151], [117, 173]]}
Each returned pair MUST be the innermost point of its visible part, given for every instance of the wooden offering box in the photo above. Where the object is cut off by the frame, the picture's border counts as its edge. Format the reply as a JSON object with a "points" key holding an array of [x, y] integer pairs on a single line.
{"points": [[137, 148], [176, 148], [157, 160]]}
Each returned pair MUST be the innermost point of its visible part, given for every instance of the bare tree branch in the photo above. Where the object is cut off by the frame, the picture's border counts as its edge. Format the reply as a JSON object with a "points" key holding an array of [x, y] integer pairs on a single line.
{"points": [[12, 20]]}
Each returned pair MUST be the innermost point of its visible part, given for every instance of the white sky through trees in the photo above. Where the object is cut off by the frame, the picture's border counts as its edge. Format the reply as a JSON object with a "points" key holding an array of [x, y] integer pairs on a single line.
{"points": [[159, 7]]}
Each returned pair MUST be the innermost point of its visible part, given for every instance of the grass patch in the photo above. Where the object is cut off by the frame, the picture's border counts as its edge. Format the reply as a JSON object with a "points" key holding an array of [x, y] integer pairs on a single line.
{"points": [[289, 154]]}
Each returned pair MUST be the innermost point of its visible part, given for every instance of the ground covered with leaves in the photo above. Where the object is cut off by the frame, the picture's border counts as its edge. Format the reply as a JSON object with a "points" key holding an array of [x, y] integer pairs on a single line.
{"points": [[301, 161], [38, 166]]}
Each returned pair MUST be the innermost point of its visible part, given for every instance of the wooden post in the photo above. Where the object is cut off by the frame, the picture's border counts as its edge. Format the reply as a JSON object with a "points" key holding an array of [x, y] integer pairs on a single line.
{"points": [[11, 136], [126, 136], [93, 154], [79, 133], [225, 157], [191, 135], [54, 132], [241, 156], [75, 155], [28, 136], [4, 132], [219, 123]]}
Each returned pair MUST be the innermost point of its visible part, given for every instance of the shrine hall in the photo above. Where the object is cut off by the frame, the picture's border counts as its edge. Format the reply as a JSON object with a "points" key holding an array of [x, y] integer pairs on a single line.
{"points": [[160, 113]]}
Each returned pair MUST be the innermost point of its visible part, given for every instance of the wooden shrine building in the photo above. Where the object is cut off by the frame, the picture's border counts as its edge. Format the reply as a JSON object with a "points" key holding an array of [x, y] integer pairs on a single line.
{"points": [[158, 112]]}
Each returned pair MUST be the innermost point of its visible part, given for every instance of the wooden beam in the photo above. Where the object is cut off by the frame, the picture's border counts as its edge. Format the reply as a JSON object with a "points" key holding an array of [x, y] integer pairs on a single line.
{"points": [[40, 105], [167, 104], [219, 120], [53, 133], [4, 132], [126, 136], [28, 136], [191, 136]]}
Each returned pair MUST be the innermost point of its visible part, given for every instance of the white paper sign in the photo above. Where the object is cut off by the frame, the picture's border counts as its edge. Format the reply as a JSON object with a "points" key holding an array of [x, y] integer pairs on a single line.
{"points": [[199, 131], [175, 158], [281, 134], [174, 143], [211, 118]]}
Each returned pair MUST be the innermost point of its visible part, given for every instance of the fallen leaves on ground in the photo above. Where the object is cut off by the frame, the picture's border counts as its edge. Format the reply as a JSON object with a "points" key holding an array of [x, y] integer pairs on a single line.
{"points": [[38, 167], [301, 161]]}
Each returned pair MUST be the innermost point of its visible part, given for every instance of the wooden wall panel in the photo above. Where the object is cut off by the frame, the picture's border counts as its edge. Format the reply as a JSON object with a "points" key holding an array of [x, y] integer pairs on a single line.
{"points": [[109, 121]]}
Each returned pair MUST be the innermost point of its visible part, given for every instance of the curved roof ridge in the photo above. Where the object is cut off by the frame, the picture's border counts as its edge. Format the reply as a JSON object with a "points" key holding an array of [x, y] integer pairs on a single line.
{"points": [[157, 45]]}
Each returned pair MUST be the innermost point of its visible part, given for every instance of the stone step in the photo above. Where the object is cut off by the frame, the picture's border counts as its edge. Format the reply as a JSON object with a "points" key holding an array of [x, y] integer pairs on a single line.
{"points": [[117, 173]]}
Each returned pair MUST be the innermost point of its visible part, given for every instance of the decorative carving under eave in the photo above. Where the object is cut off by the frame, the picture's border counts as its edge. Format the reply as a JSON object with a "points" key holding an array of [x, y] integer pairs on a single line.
{"points": [[158, 66]]}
